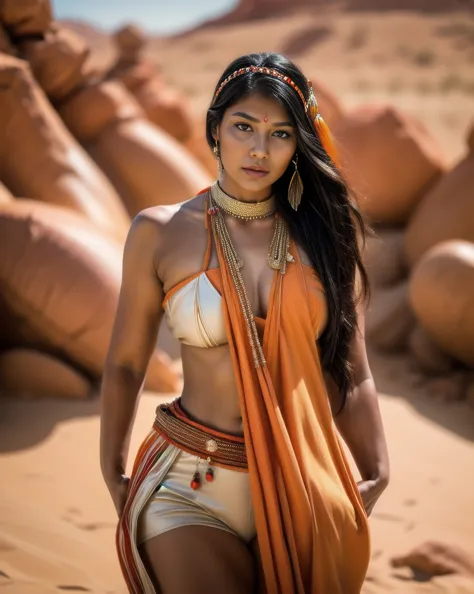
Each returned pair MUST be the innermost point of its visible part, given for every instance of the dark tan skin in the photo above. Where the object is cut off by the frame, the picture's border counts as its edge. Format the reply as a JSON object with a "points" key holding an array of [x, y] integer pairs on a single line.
{"points": [[165, 246]]}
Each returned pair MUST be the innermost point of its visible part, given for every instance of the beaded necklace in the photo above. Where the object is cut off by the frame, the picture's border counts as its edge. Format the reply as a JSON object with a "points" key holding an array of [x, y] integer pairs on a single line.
{"points": [[278, 256]]}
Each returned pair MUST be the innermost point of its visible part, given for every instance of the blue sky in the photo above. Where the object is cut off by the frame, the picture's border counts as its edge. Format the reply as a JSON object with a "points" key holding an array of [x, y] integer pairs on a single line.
{"points": [[157, 16]]}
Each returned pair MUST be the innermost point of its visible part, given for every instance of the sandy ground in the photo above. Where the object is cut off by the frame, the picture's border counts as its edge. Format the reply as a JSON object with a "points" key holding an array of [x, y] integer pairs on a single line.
{"points": [[57, 522]]}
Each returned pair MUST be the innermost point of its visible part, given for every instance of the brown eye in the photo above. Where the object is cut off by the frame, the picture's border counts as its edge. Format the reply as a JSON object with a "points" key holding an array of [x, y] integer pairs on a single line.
{"points": [[286, 134], [246, 126]]}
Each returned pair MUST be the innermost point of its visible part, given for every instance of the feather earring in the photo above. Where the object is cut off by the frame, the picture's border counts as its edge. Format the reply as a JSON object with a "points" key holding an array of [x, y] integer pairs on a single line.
{"points": [[295, 189]]}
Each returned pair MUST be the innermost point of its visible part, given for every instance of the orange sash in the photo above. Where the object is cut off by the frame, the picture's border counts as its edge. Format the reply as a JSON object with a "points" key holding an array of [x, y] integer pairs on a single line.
{"points": [[311, 524]]}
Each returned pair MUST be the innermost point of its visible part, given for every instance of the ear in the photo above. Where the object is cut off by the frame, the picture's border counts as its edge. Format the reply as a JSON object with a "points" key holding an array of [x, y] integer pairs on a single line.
{"points": [[215, 133]]}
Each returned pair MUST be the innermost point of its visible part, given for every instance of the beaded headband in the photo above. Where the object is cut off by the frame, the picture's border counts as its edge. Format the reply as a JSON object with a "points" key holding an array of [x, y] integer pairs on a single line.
{"points": [[310, 106]]}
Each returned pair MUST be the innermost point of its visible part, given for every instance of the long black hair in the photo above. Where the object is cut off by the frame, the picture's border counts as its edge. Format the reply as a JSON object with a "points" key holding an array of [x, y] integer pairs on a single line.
{"points": [[328, 224]]}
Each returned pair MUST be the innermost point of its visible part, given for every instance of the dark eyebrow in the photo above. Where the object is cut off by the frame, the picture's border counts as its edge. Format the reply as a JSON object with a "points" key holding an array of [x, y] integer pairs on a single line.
{"points": [[241, 114]]}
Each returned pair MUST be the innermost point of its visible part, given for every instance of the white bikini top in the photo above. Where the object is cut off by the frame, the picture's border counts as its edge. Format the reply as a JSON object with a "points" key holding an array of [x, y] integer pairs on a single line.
{"points": [[193, 307], [194, 314]]}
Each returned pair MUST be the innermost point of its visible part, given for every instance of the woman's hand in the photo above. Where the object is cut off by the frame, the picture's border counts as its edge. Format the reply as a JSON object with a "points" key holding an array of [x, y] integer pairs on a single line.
{"points": [[118, 488], [370, 491]]}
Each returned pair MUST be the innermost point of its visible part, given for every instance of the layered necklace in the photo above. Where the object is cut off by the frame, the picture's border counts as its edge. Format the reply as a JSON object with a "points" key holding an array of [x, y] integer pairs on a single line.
{"points": [[278, 254]]}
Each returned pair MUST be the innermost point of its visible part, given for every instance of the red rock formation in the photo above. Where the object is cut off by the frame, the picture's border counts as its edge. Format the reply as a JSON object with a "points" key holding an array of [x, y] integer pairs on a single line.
{"points": [[94, 107], [445, 212], [470, 138], [437, 558], [417, 5], [32, 374], [449, 387], [68, 308], [389, 159], [48, 164], [384, 257], [470, 393], [28, 17], [257, 9], [389, 320], [5, 195], [442, 294], [147, 166], [58, 60], [133, 74], [129, 40], [6, 46], [166, 107]]}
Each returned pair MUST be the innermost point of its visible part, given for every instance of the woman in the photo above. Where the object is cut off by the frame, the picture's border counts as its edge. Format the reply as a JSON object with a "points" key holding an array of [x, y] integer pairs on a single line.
{"points": [[242, 484]]}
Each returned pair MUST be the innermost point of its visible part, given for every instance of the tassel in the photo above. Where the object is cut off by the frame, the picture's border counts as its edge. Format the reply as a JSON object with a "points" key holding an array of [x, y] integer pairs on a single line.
{"points": [[326, 140], [295, 189]]}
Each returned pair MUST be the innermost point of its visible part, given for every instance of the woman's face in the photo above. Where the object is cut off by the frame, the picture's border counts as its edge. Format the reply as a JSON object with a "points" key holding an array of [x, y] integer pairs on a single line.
{"points": [[255, 133]]}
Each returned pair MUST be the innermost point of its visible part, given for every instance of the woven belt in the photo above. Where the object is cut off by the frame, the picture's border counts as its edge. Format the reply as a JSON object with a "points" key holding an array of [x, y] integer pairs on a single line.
{"points": [[217, 448]]}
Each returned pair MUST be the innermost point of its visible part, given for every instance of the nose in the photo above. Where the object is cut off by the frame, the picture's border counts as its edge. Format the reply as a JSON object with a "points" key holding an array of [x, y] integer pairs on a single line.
{"points": [[259, 149]]}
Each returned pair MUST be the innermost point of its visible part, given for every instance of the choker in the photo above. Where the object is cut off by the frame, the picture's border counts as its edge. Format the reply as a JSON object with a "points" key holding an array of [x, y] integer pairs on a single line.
{"points": [[246, 211]]}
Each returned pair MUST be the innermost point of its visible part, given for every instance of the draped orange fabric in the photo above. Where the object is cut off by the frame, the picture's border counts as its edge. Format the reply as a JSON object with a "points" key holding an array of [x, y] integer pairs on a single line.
{"points": [[311, 524]]}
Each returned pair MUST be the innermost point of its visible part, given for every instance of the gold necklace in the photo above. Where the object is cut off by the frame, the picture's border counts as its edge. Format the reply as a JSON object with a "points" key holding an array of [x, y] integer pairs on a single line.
{"points": [[278, 256], [246, 211]]}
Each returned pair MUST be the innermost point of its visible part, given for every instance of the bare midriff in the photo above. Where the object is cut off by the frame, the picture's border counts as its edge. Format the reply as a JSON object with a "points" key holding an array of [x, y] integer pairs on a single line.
{"points": [[209, 393]]}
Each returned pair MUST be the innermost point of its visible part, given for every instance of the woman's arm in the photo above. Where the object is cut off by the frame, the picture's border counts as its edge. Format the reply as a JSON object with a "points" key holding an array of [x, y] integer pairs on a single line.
{"points": [[360, 423], [133, 339]]}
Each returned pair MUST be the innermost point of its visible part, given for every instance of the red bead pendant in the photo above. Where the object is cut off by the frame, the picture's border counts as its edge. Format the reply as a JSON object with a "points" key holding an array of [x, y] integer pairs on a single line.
{"points": [[196, 482], [209, 475]]}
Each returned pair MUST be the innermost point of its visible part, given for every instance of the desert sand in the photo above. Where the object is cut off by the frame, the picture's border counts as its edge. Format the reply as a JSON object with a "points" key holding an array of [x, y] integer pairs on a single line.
{"points": [[57, 520], [58, 523]]}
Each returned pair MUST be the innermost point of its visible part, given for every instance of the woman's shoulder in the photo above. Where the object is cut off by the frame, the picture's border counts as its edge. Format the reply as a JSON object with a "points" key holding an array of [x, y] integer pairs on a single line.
{"points": [[162, 228], [169, 218]]}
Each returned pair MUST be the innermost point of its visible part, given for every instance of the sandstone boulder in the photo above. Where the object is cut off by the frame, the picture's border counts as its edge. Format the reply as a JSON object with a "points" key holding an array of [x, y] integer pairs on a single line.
{"points": [[442, 294], [470, 393], [447, 388], [63, 290], [470, 138], [28, 17], [446, 212], [48, 164], [96, 106], [32, 374], [5, 195], [133, 74], [129, 40], [6, 46], [437, 558], [384, 257], [167, 108], [389, 159], [148, 166], [389, 319], [57, 60]]}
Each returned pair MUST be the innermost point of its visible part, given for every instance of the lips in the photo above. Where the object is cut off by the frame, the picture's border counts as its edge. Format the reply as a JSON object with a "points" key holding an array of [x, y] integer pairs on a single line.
{"points": [[255, 168], [255, 172]]}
